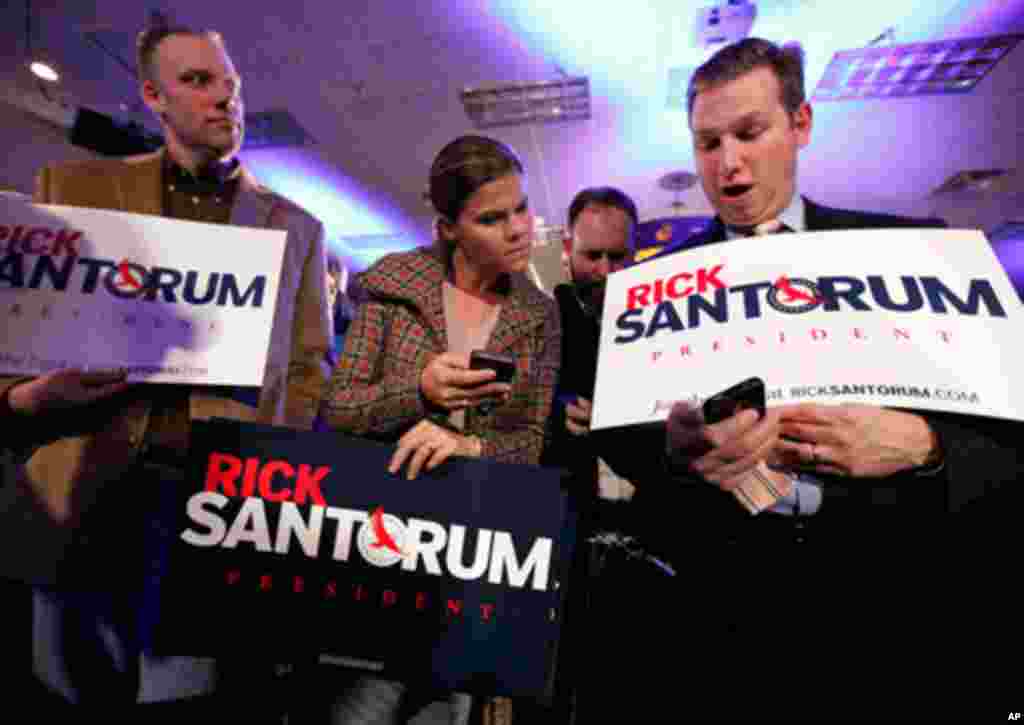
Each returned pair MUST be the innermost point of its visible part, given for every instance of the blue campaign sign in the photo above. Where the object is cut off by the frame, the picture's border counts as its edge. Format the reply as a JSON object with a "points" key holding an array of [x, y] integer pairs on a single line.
{"points": [[303, 543]]}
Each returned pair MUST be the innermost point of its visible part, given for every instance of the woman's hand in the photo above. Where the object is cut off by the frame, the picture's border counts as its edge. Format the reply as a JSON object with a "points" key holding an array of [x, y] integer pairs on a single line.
{"points": [[448, 383], [427, 445]]}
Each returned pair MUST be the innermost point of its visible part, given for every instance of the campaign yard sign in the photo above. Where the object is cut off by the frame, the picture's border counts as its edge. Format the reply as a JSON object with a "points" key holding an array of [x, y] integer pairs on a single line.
{"points": [[171, 301], [914, 318], [304, 544]]}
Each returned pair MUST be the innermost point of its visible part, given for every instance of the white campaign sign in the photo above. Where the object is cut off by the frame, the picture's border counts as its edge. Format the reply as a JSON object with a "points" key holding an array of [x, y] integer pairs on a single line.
{"points": [[916, 318], [172, 301]]}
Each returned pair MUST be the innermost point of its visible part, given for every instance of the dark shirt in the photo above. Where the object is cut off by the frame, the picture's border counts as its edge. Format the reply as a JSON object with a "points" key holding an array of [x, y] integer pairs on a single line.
{"points": [[207, 198]]}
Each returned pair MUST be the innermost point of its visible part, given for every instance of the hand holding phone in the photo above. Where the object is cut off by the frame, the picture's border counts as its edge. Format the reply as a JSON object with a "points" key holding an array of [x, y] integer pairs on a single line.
{"points": [[757, 491], [449, 382]]}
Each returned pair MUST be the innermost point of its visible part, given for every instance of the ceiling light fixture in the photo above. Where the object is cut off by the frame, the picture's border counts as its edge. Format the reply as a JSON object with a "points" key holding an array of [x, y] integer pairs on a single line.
{"points": [[517, 104], [44, 71], [40, 66], [727, 22], [915, 69]]}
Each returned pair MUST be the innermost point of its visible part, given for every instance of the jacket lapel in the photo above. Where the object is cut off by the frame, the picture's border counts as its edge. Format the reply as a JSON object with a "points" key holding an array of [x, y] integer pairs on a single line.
{"points": [[427, 274], [413, 278], [431, 305], [816, 217], [253, 206], [521, 312], [714, 233], [139, 188]]}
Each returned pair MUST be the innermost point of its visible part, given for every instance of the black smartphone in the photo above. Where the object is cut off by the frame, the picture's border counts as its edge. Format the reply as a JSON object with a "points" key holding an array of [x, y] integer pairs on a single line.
{"points": [[504, 366], [742, 396]]}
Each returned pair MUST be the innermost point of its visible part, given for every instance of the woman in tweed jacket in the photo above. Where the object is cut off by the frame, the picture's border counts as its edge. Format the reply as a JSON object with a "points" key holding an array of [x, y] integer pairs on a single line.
{"points": [[396, 379], [404, 372]]}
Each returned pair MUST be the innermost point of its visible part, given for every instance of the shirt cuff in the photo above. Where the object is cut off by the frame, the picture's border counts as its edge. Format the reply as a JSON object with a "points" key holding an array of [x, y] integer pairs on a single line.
{"points": [[803, 500], [928, 470]]}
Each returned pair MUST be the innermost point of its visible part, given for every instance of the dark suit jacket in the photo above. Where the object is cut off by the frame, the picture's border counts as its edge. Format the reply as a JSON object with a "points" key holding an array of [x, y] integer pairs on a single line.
{"points": [[899, 563], [576, 374]]}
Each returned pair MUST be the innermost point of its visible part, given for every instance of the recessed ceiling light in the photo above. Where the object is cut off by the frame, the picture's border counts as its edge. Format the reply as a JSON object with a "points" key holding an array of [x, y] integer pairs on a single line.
{"points": [[44, 71]]}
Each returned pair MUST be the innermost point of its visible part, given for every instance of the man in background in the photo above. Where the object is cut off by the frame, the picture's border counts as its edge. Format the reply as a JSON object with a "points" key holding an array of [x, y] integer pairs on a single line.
{"points": [[602, 223], [612, 574]]}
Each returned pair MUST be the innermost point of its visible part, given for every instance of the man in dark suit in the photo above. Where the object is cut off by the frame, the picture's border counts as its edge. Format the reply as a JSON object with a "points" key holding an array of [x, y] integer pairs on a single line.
{"points": [[861, 552], [749, 119]]}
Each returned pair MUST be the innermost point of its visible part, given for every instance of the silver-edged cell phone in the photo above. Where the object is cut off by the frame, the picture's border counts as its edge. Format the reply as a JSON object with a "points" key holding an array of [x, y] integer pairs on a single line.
{"points": [[748, 394], [504, 366]]}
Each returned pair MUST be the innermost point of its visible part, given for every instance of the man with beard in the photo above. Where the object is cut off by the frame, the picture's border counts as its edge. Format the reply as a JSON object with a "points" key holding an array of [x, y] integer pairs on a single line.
{"points": [[612, 572], [602, 222]]}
